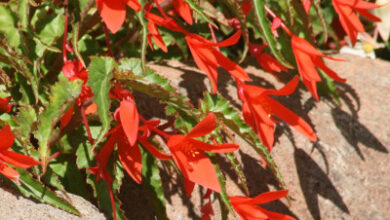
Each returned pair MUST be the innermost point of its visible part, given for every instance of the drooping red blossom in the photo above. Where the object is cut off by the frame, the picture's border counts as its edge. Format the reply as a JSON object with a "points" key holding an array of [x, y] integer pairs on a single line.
{"points": [[207, 209], [11, 157], [4, 105], [113, 12], [74, 69], [248, 208], [126, 135], [208, 59], [308, 58], [349, 20], [153, 33], [194, 164], [101, 172], [165, 21], [267, 62], [259, 110]]}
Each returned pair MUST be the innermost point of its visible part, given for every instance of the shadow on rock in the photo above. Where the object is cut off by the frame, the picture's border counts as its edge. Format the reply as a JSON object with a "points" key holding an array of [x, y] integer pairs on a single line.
{"points": [[355, 132], [315, 182], [257, 183]]}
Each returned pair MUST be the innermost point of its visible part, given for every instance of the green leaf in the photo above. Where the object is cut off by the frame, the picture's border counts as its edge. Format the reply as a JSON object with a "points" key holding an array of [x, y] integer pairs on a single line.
{"points": [[25, 119], [266, 29], [221, 180], [200, 11], [101, 193], [8, 26], [23, 13], [153, 85], [153, 184], [7, 20], [30, 187], [84, 155], [69, 175], [63, 95], [239, 171], [230, 118], [328, 88], [100, 74], [52, 29]]}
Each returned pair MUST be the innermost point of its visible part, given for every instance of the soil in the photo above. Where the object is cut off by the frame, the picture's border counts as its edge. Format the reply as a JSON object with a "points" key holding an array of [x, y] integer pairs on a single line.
{"points": [[344, 175]]}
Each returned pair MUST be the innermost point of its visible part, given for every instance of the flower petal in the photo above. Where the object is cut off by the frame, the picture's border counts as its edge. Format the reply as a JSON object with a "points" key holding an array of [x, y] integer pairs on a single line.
{"points": [[359, 4], [249, 212], [129, 120], [234, 69], [288, 89], [113, 13], [131, 159], [156, 37], [216, 148], [153, 150], [204, 127], [269, 196], [188, 186], [9, 172], [184, 10], [18, 160], [65, 119], [203, 173], [4, 105], [368, 15], [206, 65], [292, 119], [107, 149], [134, 4], [298, 43], [6, 137], [320, 64]]}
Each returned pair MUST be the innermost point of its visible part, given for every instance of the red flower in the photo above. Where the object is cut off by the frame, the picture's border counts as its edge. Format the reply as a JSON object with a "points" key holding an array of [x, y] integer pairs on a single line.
{"points": [[154, 34], [74, 70], [266, 62], [193, 163], [126, 135], [248, 209], [208, 59], [258, 109], [308, 58], [4, 105], [113, 12], [349, 20], [7, 156]]}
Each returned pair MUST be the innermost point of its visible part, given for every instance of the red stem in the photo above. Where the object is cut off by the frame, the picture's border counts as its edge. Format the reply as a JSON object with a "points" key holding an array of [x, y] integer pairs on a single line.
{"points": [[213, 35], [285, 28], [160, 9], [107, 36], [85, 121], [161, 133], [64, 42]]}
